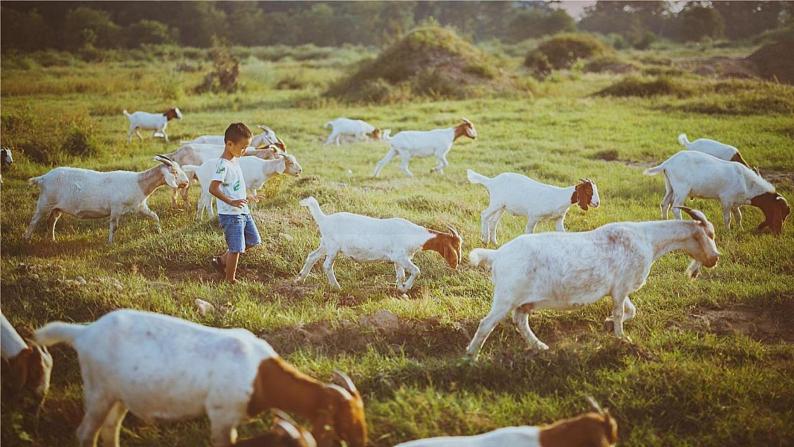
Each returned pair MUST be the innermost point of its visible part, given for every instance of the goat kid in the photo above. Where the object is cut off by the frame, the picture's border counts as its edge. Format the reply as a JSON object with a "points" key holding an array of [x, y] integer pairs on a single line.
{"points": [[150, 121], [357, 129], [367, 239], [522, 196], [712, 147], [412, 143]]}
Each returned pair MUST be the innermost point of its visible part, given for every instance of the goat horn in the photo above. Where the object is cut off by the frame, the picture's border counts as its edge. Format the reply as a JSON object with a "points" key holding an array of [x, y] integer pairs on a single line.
{"points": [[281, 414], [453, 230], [346, 382], [594, 404], [694, 214], [290, 429]]}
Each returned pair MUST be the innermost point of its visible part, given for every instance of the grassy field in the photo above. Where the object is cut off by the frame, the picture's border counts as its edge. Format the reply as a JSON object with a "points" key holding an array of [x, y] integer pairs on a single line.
{"points": [[711, 360]]}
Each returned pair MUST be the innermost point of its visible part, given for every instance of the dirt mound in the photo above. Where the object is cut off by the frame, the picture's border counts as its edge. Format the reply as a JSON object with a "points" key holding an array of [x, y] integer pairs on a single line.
{"points": [[721, 67], [766, 325], [774, 61], [429, 61]]}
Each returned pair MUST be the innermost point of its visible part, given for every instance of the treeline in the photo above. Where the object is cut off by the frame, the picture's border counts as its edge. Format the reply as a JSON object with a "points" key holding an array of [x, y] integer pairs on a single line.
{"points": [[28, 26]]}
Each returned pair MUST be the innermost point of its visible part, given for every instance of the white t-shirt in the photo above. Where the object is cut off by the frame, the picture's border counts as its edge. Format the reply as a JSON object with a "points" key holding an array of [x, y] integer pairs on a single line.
{"points": [[232, 184]]}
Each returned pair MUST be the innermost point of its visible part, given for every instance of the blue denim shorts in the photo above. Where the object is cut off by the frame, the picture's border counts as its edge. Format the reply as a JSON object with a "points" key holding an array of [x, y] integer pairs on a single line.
{"points": [[240, 231]]}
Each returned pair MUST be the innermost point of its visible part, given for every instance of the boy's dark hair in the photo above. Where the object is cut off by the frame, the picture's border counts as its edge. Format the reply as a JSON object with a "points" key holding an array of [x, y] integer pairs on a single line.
{"points": [[236, 132]]}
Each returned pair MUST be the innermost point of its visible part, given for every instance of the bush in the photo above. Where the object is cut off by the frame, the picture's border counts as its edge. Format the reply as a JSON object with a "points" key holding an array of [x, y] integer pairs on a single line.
{"points": [[539, 64], [634, 86], [148, 32], [564, 50], [226, 69], [49, 139]]}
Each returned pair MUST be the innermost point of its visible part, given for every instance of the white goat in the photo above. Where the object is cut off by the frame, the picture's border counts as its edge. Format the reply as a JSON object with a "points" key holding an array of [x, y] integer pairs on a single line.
{"points": [[357, 129], [366, 239], [196, 154], [522, 196], [560, 270], [29, 364], [88, 194], [266, 138], [593, 429], [255, 173], [414, 143], [150, 121], [161, 367], [713, 148], [695, 174]]}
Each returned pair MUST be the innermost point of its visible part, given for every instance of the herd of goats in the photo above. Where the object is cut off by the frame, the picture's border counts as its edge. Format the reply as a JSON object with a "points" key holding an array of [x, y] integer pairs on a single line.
{"points": [[162, 367]]}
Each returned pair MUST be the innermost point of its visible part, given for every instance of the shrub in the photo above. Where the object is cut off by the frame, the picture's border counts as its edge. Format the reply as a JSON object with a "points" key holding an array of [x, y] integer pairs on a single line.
{"points": [[634, 86], [539, 64], [563, 50], [226, 69], [608, 63]]}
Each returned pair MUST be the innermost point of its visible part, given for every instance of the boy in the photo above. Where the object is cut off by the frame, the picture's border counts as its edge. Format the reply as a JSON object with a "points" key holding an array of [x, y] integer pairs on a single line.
{"points": [[234, 216]]}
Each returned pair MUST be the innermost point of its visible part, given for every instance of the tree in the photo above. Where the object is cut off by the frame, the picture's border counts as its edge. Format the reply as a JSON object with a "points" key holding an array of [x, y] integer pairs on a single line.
{"points": [[536, 23], [745, 19], [85, 26], [147, 32], [697, 22], [24, 30]]}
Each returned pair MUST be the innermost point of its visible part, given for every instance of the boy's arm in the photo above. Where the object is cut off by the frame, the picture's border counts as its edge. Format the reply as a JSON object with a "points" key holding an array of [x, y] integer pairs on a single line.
{"points": [[215, 190]]}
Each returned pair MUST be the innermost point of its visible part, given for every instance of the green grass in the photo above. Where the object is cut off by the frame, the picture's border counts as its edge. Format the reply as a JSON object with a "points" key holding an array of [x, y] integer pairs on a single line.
{"points": [[686, 379]]}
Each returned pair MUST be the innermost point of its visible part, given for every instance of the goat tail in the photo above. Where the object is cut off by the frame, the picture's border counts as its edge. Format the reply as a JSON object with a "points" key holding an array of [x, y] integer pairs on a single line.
{"points": [[35, 180], [654, 170], [480, 256], [58, 332], [126, 113], [683, 140], [314, 208], [476, 178], [328, 125], [386, 136]]}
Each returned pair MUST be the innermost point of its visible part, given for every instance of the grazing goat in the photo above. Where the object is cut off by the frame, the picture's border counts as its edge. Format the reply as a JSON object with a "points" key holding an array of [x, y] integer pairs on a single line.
{"points": [[358, 129], [150, 121], [413, 143], [695, 174], [197, 154], [366, 239], [713, 148], [255, 173], [27, 365], [88, 194], [285, 433], [561, 270], [593, 429], [163, 367], [266, 138], [522, 196]]}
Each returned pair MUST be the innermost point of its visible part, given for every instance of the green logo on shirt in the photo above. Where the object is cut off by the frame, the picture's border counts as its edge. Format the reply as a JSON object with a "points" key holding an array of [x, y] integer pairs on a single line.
{"points": [[237, 186]]}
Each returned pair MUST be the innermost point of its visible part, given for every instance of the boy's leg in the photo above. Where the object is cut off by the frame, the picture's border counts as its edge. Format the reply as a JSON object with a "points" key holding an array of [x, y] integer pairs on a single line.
{"points": [[231, 266], [234, 233]]}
